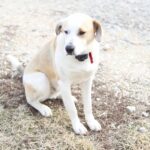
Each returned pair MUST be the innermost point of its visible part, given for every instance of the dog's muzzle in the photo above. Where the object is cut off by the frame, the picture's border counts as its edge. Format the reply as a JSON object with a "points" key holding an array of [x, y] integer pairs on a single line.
{"points": [[81, 57]]}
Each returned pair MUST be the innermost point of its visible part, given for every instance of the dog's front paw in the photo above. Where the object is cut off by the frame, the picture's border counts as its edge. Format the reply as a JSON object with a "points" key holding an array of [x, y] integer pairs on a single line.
{"points": [[94, 125], [79, 128], [45, 111]]}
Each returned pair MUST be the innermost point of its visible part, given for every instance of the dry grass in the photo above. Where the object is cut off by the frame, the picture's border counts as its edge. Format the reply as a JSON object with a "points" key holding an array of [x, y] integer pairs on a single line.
{"points": [[22, 127], [129, 138]]}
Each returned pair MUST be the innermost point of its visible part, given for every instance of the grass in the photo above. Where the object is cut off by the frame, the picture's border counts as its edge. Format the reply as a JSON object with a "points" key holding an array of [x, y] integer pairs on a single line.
{"points": [[21, 127], [129, 138]]}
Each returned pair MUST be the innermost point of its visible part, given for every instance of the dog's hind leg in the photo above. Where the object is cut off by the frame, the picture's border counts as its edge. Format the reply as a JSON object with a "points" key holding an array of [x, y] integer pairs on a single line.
{"points": [[54, 90], [37, 89]]}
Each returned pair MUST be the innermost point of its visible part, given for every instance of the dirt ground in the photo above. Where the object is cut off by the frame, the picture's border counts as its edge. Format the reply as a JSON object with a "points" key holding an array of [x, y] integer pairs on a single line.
{"points": [[123, 78]]}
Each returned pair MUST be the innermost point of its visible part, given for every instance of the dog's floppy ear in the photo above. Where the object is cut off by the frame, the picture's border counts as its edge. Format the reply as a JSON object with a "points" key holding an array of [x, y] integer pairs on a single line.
{"points": [[97, 30], [58, 28]]}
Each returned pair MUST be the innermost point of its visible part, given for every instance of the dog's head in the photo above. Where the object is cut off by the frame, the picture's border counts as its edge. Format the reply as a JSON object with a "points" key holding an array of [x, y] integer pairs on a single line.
{"points": [[78, 31]]}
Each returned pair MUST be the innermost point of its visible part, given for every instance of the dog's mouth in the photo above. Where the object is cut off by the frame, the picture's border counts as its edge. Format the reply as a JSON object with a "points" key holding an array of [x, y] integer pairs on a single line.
{"points": [[81, 57]]}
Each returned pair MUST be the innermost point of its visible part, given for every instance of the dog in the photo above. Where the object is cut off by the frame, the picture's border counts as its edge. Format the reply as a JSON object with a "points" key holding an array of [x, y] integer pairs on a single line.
{"points": [[71, 57]]}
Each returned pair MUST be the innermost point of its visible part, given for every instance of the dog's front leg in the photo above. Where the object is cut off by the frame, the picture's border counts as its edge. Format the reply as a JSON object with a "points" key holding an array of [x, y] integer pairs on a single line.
{"points": [[87, 101], [65, 89]]}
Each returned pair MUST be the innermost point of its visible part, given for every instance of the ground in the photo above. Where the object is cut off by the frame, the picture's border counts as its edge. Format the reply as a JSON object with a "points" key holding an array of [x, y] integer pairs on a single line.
{"points": [[123, 78]]}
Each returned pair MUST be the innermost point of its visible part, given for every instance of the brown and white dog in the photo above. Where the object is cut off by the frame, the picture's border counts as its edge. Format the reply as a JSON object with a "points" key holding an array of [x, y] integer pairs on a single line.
{"points": [[71, 56]]}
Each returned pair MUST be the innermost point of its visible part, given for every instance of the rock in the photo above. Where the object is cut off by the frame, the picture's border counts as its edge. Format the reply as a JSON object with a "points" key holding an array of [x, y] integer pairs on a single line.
{"points": [[148, 103], [98, 99], [145, 114], [142, 129], [113, 126], [1, 108], [107, 47], [131, 109]]}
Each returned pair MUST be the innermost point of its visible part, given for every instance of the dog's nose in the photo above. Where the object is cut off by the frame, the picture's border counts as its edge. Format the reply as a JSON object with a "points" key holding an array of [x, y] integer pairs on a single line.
{"points": [[69, 49]]}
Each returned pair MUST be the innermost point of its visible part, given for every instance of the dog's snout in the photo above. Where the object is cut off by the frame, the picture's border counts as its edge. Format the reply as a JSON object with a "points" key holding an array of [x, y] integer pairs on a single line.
{"points": [[69, 49]]}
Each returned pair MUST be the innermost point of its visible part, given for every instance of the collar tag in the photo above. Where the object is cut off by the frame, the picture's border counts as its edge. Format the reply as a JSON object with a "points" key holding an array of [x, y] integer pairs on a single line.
{"points": [[91, 57]]}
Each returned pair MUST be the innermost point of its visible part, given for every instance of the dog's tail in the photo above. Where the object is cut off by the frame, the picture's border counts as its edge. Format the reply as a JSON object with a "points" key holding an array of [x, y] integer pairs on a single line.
{"points": [[16, 66]]}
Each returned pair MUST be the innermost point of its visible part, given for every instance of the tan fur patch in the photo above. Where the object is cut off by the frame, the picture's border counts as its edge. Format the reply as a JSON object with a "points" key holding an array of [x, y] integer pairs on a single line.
{"points": [[87, 27], [44, 61]]}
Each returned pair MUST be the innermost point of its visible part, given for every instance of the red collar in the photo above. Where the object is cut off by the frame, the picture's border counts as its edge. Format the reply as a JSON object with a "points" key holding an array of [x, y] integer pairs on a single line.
{"points": [[91, 57]]}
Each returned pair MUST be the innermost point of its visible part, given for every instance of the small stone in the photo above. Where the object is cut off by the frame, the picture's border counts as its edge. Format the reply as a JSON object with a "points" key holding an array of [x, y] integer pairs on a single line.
{"points": [[1, 108], [113, 126], [148, 103], [131, 109], [107, 47], [98, 99], [33, 30], [145, 114], [142, 129]]}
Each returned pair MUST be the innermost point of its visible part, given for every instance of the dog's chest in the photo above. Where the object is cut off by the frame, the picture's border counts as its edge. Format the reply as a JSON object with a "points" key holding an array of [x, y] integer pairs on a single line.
{"points": [[80, 74], [77, 72]]}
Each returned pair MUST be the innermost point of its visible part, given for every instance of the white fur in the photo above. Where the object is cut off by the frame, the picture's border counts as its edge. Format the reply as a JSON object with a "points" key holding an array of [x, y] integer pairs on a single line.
{"points": [[39, 82], [70, 71]]}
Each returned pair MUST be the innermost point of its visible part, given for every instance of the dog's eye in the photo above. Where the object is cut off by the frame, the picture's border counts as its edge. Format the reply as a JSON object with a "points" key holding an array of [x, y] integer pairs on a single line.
{"points": [[81, 32], [66, 32]]}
